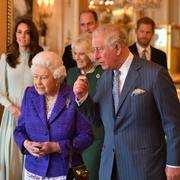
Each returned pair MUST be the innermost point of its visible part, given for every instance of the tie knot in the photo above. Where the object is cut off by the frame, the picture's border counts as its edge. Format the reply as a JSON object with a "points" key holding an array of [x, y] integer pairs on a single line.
{"points": [[144, 54], [117, 73]]}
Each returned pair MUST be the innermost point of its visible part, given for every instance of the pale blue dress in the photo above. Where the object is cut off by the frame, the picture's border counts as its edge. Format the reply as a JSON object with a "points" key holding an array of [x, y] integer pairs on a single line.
{"points": [[13, 82]]}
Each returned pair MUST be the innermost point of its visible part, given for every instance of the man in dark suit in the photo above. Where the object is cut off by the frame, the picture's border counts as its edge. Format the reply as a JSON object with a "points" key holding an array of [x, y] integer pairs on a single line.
{"points": [[88, 20], [147, 110], [145, 31]]}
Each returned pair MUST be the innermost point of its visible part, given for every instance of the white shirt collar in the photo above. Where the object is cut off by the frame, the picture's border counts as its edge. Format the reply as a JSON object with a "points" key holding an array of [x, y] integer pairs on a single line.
{"points": [[125, 68], [141, 49], [126, 65]]}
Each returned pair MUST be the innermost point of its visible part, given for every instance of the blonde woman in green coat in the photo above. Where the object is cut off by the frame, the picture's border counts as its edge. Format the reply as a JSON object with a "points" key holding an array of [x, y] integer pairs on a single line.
{"points": [[82, 54]]}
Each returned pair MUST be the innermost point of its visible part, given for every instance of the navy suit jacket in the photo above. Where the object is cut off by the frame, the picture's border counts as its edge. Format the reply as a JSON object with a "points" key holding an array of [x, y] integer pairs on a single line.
{"points": [[157, 55], [66, 126], [135, 135]]}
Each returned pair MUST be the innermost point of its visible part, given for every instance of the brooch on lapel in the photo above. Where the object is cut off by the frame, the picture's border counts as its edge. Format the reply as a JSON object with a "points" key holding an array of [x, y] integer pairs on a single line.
{"points": [[98, 76], [68, 102]]}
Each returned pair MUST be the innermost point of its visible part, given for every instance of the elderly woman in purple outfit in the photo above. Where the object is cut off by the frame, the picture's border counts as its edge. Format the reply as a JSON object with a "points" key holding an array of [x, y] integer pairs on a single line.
{"points": [[50, 127]]}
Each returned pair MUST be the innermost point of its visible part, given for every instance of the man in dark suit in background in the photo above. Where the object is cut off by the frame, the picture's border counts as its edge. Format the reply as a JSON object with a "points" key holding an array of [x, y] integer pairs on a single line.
{"points": [[138, 109], [142, 48], [88, 20]]}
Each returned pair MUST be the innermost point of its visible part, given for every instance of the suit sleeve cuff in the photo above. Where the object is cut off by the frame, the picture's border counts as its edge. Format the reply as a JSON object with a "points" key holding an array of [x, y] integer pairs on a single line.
{"points": [[79, 102], [172, 166]]}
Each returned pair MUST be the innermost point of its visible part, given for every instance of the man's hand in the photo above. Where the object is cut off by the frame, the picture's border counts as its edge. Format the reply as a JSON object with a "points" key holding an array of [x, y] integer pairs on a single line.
{"points": [[80, 87], [172, 173]]}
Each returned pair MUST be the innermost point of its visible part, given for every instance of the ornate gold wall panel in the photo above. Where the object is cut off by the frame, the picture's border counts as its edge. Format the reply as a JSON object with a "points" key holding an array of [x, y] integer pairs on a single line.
{"points": [[3, 21]]}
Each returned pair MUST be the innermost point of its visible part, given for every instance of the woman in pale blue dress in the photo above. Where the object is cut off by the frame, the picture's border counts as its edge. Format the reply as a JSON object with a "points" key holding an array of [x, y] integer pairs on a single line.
{"points": [[15, 76]]}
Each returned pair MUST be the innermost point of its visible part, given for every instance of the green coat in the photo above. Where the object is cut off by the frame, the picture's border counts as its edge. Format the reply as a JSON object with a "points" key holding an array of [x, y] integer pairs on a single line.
{"points": [[91, 156]]}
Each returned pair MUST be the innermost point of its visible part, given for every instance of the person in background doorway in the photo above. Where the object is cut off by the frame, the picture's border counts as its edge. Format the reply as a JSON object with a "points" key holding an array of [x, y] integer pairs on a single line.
{"points": [[15, 76], [83, 55], [142, 48], [50, 127], [88, 22]]}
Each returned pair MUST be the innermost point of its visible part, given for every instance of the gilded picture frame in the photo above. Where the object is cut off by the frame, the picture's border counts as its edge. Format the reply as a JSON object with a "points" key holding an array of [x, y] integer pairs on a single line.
{"points": [[10, 22]]}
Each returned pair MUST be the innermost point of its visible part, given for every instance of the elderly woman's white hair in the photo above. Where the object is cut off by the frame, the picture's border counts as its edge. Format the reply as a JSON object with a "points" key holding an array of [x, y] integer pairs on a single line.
{"points": [[83, 41], [52, 61]]}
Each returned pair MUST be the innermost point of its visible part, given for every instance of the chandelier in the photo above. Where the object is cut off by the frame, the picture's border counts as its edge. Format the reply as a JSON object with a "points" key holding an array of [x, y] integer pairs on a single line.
{"points": [[137, 4], [45, 11]]}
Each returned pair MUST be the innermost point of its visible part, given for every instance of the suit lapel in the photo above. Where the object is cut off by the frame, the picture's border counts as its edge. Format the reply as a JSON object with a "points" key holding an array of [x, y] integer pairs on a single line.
{"points": [[109, 94], [134, 49], [153, 55], [129, 81], [60, 104], [57, 109], [39, 104]]}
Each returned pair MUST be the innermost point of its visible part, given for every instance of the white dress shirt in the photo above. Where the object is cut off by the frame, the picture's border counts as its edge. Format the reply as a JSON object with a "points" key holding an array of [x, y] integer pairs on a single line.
{"points": [[124, 69], [141, 49]]}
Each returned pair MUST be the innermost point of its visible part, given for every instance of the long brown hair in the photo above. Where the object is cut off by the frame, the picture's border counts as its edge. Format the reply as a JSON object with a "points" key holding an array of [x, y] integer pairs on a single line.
{"points": [[13, 50]]}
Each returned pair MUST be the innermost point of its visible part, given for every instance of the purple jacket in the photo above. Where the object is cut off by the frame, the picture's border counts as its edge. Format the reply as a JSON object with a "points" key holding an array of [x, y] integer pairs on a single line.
{"points": [[66, 126]]}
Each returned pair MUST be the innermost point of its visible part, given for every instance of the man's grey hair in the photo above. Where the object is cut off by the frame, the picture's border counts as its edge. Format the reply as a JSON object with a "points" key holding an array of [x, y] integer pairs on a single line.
{"points": [[113, 34]]}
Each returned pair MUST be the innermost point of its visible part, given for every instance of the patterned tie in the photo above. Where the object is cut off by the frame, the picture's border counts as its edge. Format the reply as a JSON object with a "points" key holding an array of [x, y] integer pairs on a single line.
{"points": [[144, 54], [116, 88]]}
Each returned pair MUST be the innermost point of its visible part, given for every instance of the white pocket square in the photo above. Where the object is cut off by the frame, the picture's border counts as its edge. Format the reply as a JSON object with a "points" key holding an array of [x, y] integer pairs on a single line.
{"points": [[137, 91]]}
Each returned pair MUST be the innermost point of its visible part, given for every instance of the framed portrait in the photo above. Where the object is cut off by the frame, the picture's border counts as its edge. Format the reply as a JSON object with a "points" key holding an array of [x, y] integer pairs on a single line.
{"points": [[23, 8]]}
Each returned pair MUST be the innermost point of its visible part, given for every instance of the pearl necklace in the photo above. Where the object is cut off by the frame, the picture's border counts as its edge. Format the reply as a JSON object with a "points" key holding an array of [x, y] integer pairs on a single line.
{"points": [[91, 70], [50, 104]]}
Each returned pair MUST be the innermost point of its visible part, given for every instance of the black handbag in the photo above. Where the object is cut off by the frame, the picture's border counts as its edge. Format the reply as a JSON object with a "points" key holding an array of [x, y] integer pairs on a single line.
{"points": [[77, 173]]}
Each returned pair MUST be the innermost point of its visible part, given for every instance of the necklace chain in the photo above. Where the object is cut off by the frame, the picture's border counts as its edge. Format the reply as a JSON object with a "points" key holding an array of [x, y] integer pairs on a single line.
{"points": [[89, 71], [50, 104]]}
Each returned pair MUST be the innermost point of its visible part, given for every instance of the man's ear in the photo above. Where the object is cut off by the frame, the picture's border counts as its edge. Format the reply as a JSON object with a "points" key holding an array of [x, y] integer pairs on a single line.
{"points": [[118, 53], [118, 49]]}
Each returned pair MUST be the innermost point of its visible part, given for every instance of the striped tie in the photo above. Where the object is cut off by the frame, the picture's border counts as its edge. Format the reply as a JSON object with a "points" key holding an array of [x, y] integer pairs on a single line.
{"points": [[144, 54], [116, 88]]}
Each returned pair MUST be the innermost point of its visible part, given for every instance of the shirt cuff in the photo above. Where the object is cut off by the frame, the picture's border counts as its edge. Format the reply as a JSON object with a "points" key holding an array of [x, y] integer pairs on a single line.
{"points": [[80, 101], [172, 166]]}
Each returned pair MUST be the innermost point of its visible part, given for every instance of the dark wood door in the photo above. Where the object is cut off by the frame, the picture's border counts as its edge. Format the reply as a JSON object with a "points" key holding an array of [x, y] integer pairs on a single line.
{"points": [[1, 111]]}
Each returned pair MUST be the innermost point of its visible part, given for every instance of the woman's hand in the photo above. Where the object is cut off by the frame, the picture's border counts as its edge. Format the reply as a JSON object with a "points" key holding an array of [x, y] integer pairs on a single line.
{"points": [[48, 148], [32, 147], [14, 110], [41, 148]]}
